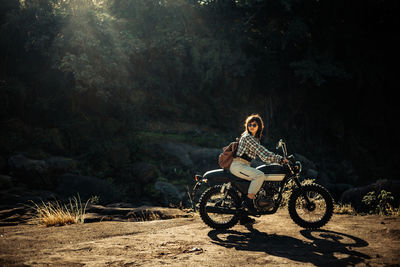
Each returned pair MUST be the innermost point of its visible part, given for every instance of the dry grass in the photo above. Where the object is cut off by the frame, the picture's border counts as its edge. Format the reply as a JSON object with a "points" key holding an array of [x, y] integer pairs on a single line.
{"points": [[57, 214], [144, 216], [344, 209]]}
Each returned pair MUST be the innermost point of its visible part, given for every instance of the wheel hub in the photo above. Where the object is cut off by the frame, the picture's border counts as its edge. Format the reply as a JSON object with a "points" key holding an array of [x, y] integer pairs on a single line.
{"points": [[311, 206]]}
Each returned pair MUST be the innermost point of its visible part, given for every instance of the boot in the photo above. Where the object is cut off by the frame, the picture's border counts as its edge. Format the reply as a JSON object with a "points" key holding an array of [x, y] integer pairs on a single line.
{"points": [[249, 206]]}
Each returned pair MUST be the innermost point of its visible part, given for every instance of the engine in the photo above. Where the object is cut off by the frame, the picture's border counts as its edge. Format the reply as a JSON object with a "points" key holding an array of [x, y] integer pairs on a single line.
{"points": [[266, 198]]}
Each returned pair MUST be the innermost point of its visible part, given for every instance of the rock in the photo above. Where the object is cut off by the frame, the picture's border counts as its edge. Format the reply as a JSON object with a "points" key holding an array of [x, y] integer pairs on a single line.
{"points": [[306, 163], [23, 165], [141, 172], [324, 178], [355, 195], [33, 173], [16, 196], [6, 182], [15, 216], [205, 159], [200, 158], [87, 186], [170, 193], [60, 164], [337, 189], [312, 174], [97, 213], [181, 151], [40, 173], [3, 163]]}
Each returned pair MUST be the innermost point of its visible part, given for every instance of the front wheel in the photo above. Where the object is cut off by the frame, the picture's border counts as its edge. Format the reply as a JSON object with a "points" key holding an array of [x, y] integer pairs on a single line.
{"points": [[311, 206], [216, 210]]}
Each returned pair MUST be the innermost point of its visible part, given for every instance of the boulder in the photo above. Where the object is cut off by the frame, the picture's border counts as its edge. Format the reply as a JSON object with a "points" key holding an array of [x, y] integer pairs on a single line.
{"points": [[6, 182], [33, 173], [140, 172], [180, 151], [22, 165], [61, 165], [170, 194], [3, 163], [87, 186], [205, 159], [16, 196], [305, 162], [312, 174], [200, 158], [324, 178], [40, 173]]}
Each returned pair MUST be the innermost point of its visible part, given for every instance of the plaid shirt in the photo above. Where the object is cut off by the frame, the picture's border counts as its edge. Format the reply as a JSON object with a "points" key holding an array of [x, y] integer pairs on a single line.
{"points": [[251, 147]]}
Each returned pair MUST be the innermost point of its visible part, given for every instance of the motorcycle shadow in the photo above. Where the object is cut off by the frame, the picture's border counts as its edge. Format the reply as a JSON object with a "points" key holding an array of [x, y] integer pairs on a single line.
{"points": [[324, 247]]}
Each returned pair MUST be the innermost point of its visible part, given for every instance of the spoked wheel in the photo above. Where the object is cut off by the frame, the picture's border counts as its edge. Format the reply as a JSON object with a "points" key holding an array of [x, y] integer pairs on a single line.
{"points": [[311, 206], [217, 211]]}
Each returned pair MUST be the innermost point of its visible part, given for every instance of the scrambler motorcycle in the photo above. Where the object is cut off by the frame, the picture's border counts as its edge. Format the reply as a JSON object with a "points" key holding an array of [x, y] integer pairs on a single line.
{"points": [[310, 206]]}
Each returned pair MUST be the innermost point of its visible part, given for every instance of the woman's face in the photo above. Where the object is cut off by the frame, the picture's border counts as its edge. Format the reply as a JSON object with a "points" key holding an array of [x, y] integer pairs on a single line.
{"points": [[253, 127]]}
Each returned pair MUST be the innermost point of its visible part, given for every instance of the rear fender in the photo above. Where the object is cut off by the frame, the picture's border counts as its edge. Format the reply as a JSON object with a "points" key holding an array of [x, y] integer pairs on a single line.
{"points": [[221, 176]]}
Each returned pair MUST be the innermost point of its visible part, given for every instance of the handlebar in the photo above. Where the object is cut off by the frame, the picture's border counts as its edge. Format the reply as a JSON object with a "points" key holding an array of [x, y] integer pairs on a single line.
{"points": [[283, 146]]}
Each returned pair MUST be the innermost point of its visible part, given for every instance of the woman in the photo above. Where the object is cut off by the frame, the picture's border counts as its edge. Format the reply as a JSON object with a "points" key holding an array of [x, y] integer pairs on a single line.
{"points": [[249, 147]]}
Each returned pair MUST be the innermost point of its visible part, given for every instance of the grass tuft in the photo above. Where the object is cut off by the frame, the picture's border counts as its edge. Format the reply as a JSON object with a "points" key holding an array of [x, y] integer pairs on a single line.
{"points": [[57, 214]]}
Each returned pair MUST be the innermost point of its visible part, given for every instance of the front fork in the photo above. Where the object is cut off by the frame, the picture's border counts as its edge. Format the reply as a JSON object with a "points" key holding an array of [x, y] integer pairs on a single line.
{"points": [[297, 181], [224, 190]]}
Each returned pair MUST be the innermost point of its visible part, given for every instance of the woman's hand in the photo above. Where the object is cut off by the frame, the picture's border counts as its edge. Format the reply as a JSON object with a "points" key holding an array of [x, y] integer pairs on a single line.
{"points": [[284, 161]]}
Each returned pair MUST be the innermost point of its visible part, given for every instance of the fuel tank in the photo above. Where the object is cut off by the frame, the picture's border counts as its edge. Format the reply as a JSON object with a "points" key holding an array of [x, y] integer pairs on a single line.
{"points": [[273, 172]]}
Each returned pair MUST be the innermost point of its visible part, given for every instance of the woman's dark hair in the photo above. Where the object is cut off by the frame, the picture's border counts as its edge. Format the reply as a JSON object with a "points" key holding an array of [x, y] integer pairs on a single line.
{"points": [[254, 118]]}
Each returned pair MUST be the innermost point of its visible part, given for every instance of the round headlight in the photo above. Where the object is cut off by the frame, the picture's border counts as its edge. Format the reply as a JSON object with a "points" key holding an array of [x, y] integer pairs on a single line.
{"points": [[298, 166]]}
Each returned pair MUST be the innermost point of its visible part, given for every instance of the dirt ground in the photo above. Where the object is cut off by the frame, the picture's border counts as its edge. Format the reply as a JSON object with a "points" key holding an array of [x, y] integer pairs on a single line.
{"points": [[273, 240]]}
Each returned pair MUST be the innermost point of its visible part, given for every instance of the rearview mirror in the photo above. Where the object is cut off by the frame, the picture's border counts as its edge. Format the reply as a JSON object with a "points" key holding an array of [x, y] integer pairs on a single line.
{"points": [[279, 145]]}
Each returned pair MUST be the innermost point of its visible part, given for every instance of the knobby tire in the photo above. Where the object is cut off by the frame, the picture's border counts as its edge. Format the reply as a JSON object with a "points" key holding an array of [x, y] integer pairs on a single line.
{"points": [[206, 218], [299, 193]]}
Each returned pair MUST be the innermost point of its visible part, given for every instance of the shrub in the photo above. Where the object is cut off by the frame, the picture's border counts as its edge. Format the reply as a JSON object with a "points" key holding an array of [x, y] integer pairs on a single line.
{"points": [[380, 204]]}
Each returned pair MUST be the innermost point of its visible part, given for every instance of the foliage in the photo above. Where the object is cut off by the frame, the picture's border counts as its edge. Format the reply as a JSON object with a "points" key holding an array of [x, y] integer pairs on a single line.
{"points": [[81, 77], [379, 204]]}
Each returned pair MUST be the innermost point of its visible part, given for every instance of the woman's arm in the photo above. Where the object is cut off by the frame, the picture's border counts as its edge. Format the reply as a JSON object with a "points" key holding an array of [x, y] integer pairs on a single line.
{"points": [[259, 150]]}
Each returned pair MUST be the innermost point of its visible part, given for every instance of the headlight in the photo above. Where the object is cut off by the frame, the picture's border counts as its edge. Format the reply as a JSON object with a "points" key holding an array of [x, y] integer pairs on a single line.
{"points": [[297, 166]]}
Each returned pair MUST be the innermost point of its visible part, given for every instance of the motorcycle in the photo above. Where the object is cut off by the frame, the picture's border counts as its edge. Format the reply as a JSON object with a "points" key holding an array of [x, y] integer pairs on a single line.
{"points": [[310, 206]]}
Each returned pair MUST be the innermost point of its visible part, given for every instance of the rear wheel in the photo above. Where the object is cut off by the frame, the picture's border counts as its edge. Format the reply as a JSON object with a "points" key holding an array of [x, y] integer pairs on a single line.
{"points": [[217, 211], [314, 213]]}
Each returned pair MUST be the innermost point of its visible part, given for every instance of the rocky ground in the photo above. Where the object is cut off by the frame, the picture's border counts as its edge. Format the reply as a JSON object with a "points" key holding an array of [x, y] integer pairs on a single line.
{"points": [[185, 240]]}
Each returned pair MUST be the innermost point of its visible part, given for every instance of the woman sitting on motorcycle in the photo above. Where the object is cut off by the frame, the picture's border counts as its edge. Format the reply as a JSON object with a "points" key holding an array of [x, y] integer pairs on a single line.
{"points": [[249, 147]]}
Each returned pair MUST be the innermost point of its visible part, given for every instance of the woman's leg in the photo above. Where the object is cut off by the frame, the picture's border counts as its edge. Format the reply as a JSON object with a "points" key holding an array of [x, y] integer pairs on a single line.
{"points": [[249, 173], [256, 177]]}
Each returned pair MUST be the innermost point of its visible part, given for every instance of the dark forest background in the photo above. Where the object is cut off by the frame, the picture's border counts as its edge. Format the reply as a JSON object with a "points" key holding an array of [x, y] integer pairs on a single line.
{"points": [[102, 82]]}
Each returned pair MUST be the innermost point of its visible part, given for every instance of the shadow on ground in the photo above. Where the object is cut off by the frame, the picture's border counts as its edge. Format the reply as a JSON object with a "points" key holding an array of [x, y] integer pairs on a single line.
{"points": [[321, 248]]}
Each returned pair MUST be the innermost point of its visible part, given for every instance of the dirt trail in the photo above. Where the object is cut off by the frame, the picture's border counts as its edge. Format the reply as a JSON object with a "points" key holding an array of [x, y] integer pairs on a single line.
{"points": [[274, 240]]}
